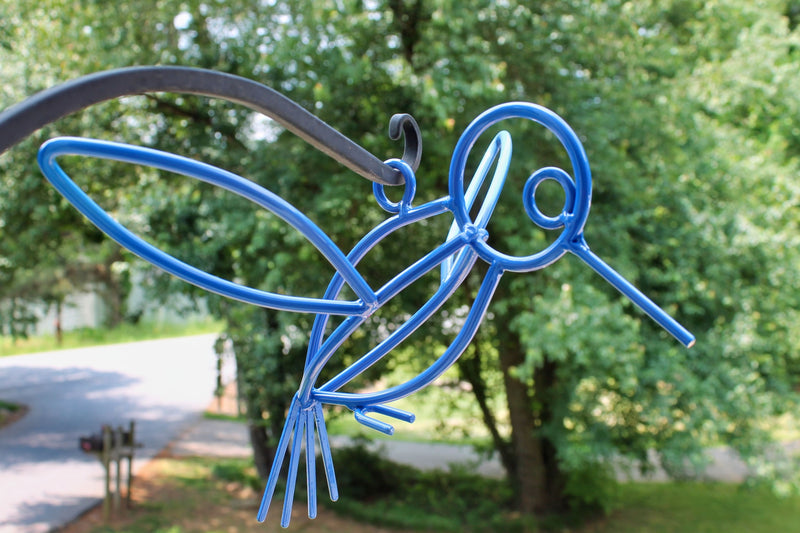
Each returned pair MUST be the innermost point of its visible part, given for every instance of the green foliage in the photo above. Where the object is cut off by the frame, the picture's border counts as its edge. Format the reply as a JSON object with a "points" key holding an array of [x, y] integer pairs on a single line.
{"points": [[367, 474], [392, 495], [592, 490], [688, 112], [54, 252]]}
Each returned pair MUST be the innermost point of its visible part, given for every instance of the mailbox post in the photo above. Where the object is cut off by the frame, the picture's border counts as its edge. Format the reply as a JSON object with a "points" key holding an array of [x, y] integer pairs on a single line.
{"points": [[112, 447]]}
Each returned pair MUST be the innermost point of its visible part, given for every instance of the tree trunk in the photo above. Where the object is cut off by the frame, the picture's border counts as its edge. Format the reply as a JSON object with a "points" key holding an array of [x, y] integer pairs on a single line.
{"points": [[263, 453], [528, 478], [470, 367], [537, 478], [545, 381], [59, 331], [112, 290], [264, 431]]}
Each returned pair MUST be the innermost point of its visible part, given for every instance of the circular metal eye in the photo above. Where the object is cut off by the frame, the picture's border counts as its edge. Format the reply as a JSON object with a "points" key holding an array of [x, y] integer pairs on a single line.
{"points": [[529, 197]]}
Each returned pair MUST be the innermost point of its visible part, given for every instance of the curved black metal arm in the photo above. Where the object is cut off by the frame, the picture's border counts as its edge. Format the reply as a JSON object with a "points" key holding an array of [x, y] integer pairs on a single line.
{"points": [[19, 121]]}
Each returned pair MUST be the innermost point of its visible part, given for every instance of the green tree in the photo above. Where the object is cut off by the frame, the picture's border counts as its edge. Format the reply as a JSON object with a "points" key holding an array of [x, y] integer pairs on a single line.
{"points": [[47, 250], [686, 109], [580, 390]]}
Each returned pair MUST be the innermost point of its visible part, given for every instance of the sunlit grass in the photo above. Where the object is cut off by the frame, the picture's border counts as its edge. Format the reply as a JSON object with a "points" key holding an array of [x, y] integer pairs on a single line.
{"points": [[85, 337], [699, 508]]}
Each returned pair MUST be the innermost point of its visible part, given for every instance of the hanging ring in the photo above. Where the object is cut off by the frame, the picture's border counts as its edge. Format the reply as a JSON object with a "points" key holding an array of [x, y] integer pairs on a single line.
{"points": [[408, 194]]}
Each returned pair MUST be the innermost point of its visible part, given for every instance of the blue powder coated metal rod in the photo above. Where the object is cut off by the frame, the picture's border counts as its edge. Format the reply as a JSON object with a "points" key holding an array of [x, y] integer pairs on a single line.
{"points": [[221, 178], [635, 295]]}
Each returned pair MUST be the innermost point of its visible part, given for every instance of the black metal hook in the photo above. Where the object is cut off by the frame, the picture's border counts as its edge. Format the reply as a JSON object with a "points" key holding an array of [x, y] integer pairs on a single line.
{"points": [[403, 123], [19, 121]]}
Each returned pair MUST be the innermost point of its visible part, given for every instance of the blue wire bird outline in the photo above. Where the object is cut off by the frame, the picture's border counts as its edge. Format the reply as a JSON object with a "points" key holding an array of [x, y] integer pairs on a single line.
{"points": [[465, 243]]}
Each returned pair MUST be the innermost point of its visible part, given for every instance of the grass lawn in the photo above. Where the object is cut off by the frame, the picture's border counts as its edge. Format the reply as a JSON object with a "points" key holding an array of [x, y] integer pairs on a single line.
{"points": [[699, 508], [80, 338], [204, 495], [192, 495]]}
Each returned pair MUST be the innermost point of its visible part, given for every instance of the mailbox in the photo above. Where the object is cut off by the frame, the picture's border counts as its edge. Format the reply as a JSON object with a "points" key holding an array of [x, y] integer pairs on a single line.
{"points": [[112, 446]]}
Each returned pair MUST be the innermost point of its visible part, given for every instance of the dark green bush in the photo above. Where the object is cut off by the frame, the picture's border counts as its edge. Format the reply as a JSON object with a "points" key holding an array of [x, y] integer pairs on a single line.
{"points": [[375, 490], [364, 475]]}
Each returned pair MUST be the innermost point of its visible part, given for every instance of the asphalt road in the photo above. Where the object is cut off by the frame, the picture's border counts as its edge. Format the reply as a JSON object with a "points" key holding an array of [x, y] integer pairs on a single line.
{"points": [[45, 480]]}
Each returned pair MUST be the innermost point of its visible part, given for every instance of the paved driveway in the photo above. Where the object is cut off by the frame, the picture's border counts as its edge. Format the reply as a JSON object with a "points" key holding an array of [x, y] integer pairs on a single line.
{"points": [[45, 480]]}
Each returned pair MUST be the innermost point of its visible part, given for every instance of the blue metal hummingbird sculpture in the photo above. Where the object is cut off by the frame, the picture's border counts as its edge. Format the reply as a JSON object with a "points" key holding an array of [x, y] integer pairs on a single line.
{"points": [[460, 249]]}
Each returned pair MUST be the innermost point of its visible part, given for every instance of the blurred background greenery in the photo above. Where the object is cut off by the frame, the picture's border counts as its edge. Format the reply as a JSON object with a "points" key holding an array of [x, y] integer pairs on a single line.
{"points": [[689, 114]]}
